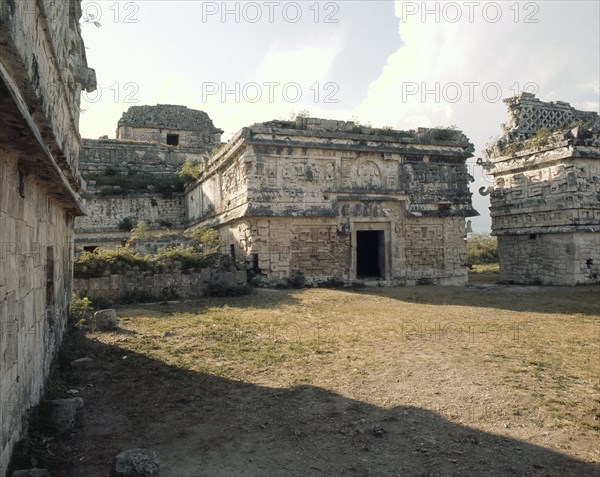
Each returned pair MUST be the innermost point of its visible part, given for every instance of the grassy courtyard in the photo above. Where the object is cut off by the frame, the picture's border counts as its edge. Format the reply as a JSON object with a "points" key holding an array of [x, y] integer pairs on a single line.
{"points": [[481, 380]]}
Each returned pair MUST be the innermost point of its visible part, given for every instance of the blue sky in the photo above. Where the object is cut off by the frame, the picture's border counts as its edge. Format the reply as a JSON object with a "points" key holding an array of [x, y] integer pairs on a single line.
{"points": [[400, 64]]}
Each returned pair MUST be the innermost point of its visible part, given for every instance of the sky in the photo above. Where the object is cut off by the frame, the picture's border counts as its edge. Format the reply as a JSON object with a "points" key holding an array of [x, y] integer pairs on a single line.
{"points": [[402, 64]]}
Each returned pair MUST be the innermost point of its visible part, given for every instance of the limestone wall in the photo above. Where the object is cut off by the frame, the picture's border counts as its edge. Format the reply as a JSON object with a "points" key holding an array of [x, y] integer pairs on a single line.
{"points": [[550, 258], [548, 190], [43, 53], [123, 157], [185, 139], [226, 191], [416, 250], [106, 213], [293, 197], [193, 128], [43, 70], [544, 199], [35, 292], [145, 286]]}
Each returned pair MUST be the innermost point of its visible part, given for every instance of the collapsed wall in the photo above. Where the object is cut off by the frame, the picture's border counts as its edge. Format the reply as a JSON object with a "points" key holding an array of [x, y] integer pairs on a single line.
{"points": [[545, 200]]}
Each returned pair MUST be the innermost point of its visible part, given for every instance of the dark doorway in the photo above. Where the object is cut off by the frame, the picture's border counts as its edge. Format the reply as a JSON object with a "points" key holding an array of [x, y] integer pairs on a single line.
{"points": [[370, 254]]}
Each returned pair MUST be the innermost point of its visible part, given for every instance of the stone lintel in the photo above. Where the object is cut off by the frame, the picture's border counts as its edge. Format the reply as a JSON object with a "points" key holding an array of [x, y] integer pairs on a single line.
{"points": [[33, 152]]}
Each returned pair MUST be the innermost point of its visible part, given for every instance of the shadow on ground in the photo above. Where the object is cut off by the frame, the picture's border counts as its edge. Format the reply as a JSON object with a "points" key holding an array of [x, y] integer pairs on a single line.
{"points": [[206, 426], [537, 299], [489, 297]]}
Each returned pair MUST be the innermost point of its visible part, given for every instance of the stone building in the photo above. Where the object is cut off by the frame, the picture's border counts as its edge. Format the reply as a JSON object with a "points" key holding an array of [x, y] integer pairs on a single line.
{"points": [[545, 201], [43, 70], [134, 177], [329, 201]]}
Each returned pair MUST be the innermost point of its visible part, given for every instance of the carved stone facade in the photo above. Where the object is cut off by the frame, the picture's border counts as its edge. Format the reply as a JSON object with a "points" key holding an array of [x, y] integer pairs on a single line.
{"points": [[545, 201], [134, 177], [329, 201], [43, 70]]}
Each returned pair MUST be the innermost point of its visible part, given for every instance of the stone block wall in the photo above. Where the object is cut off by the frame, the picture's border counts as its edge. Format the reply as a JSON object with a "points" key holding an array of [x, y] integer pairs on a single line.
{"points": [[105, 213], [550, 258], [415, 250], [36, 254], [194, 129], [113, 156], [545, 201], [43, 69], [134, 286], [43, 53]]}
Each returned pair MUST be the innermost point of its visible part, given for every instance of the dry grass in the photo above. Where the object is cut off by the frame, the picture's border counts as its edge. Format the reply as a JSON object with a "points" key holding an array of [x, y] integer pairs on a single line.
{"points": [[517, 362], [531, 351]]}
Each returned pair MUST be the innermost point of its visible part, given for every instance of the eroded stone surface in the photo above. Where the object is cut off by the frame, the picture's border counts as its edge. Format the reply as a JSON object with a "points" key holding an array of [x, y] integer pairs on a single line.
{"points": [[318, 201], [545, 201], [106, 319], [134, 177], [136, 463], [43, 70], [63, 414]]}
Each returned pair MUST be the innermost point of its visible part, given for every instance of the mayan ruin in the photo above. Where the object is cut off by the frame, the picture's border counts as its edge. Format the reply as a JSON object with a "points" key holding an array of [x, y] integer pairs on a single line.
{"points": [[291, 239], [544, 201], [39, 197], [312, 200]]}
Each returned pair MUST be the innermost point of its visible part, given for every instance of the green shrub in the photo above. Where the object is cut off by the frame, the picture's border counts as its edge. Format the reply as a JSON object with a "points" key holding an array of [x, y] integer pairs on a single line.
{"points": [[191, 170], [93, 264], [481, 248], [125, 225], [141, 231], [101, 262], [208, 239], [80, 308]]}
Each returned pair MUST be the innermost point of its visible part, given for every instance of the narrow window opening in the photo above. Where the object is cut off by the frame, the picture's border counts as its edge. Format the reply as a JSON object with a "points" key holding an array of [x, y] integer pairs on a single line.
{"points": [[532, 237], [232, 251], [50, 276], [173, 139], [589, 263], [21, 183], [253, 263], [370, 255]]}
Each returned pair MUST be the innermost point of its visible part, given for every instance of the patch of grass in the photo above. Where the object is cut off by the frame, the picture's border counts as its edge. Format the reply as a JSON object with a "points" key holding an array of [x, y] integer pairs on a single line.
{"points": [[486, 268], [515, 362]]}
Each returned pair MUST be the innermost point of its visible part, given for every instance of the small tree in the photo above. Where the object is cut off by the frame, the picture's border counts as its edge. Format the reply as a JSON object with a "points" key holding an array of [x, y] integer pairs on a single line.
{"points": [[208, 239], [141, 231]]}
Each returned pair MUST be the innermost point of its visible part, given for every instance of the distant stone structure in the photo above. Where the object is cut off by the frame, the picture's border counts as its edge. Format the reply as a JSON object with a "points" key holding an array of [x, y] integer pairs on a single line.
{"points": [[43, 70], [545, 201], [306, 201], [169, 124], [134, 177], [321, 201]]}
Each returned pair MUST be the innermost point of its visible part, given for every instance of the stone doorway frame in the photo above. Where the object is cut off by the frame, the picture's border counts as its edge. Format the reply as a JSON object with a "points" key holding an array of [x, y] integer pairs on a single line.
{"points": [[385, 264]]}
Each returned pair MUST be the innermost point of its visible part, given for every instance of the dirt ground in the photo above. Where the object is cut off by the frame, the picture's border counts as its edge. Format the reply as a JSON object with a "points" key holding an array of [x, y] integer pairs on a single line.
{"points": [[487, 380]]}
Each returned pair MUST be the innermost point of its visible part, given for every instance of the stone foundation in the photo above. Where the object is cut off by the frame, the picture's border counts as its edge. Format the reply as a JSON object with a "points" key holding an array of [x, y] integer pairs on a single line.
{"points": [[550, 259], [138, 286], [409, 251]]}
